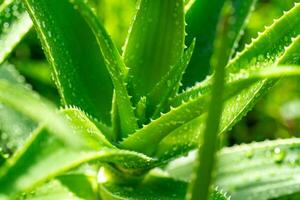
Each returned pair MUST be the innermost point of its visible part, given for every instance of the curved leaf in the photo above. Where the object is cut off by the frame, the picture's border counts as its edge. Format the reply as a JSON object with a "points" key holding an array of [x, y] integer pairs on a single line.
{"points": [[70, 186], [259, 54], [188, 136], [157, 24], [79, 70], [116, 68], [14, 127], [237, 15], [204, 29], [263, 170], [250, 96], [153, 187], [182, 126], [199, 187], [202, 19], [147, 138], [279, 45], [14, 23], [265, 50], [169, 85], [39, 110], [45, 156], [83, 142]]}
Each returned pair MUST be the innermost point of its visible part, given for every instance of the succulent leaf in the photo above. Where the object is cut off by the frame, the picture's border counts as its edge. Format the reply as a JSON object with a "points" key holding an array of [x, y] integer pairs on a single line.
{"points": [[157, 24], [69, 186], [14, 23], [78, 67], [116, 68], [169, 85], [153, 187], [14, 126], [20, 174], [202, 19], [278, 45], [262, 170]]}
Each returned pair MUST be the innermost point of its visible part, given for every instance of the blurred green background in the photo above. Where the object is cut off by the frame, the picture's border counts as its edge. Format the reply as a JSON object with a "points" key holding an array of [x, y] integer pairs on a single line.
{"points": [[277, 115]]}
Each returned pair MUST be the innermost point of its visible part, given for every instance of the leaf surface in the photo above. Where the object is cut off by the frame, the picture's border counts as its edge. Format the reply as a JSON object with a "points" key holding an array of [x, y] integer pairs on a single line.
{"points": [[155, 43], [45, 156], [204, 30], [72, 50], [39, 110], [169, 84], [236, 14], [263, 170], [116, 68], [152, 188], [202, 19], [265, 50], [14, 127], [70, 186], [278, 45], [14, 23]]}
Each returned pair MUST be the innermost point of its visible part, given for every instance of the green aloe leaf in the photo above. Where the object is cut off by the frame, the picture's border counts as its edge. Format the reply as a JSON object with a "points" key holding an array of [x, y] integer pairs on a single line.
{"points": [[147, 138], [260, 53], [263, 170], [265, 50], [69, 186], [182, 136], [187, 136], [31, 105], [202, 19], [153, 187], [236, 13], [38, 71], [278, 45], [200, 185], [204, 30], [116, 68], [78, 67], [33, 164], [268, 173], [154, 44], [14, 23], [14, 127], [250, 96], [169, 85]]}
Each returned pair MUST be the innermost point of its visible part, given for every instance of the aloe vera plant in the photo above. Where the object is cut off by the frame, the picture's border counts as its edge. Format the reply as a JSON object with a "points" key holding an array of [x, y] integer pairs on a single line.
{"points": [[127, 116]]}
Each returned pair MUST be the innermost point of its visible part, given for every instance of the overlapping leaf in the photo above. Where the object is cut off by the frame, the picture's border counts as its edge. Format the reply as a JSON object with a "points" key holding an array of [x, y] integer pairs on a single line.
{"points": [[265, 170], [169, 84], [70, 186], [152, 188], [34, 107], [200, 185], [261, 53], [14, 23], [79, 69], [67, 141], [202, 19], [14, 127], [204, 30], [116, 67], [155, 43]]}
